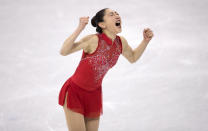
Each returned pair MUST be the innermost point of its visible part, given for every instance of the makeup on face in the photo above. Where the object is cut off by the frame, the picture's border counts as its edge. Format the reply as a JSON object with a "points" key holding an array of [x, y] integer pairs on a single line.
{"points": [[115, 19], [118, 22]]}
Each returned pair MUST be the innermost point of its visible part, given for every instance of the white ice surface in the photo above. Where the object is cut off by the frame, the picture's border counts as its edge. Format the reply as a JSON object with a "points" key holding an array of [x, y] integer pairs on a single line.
{"points": [[165, 90]]}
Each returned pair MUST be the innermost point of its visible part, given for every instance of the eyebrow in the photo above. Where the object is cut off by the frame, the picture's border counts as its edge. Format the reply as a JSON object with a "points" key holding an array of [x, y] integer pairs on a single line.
{"points": [[114, 11]]}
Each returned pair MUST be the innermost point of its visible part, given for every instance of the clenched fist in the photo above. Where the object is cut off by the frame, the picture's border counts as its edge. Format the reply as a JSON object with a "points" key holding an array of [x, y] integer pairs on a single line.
{"points": [[83, 21], [147, 34]]}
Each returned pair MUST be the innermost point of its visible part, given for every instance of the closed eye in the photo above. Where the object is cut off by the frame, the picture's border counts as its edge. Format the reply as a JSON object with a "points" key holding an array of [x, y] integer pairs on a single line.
{"points": [[111, 13], [117, 13]]}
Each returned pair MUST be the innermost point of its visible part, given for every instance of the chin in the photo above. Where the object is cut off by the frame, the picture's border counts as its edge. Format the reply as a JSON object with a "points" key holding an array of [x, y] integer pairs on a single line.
{"points": [[119, 31], [116, 31]]}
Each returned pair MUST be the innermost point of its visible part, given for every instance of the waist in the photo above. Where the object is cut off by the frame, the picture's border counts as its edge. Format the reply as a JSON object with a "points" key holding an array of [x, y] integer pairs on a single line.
{"points": [[83, 87]]}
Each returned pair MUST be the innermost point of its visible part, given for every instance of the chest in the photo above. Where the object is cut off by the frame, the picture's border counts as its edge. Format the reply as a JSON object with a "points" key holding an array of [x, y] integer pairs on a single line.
{"points": [[104, 53]]}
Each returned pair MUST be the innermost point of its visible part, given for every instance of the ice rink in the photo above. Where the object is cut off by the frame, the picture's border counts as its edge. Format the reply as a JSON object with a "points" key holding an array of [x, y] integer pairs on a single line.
{"points": [[165, 90]]}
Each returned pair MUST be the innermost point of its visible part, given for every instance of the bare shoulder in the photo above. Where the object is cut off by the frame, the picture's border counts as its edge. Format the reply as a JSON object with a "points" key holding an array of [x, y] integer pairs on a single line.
{"points": [[89, 38], [94, 38], [123, 40], [126, 48], [92, 42]]}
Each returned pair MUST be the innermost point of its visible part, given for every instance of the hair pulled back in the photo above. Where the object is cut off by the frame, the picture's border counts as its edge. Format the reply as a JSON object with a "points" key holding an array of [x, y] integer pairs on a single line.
{"points": [[98, 18]]}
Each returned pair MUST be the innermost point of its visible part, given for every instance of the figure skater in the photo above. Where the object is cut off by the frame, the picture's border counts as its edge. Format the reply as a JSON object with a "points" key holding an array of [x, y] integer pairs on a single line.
{"points": [[81, 94]]}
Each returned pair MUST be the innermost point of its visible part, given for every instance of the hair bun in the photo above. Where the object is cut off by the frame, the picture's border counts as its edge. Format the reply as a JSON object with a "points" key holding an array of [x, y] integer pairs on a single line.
{"points": [[94, 21]]}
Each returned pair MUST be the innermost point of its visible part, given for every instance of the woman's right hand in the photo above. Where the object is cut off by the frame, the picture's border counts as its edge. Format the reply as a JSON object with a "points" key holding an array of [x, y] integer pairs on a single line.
{"points": [[83, 21]]}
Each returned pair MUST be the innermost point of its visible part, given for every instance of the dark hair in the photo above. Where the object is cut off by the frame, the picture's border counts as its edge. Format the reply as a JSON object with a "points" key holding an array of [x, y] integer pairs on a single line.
{"points": [[98, 18]]}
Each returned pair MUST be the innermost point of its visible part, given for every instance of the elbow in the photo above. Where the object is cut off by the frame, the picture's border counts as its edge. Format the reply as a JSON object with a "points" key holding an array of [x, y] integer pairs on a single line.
{"points": [[62, 53], [132, 59]]}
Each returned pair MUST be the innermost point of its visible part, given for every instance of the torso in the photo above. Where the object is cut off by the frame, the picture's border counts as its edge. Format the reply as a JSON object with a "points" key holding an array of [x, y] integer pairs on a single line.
{"points": [[100, 55]]}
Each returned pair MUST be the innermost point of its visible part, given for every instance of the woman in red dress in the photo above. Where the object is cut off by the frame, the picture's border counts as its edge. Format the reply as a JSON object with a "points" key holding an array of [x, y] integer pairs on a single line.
{"points": [[81, 94]]}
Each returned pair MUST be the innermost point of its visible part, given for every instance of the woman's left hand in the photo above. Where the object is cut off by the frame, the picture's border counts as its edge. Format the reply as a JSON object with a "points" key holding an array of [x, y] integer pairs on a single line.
{"points": [[147, 34]]}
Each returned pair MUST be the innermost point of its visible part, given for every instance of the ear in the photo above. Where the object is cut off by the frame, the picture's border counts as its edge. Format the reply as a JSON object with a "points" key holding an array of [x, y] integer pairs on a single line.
{"points": [[102, 25]]}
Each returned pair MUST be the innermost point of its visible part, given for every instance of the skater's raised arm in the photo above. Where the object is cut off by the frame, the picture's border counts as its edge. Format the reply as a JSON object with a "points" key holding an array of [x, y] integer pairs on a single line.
{"points": [[70, 45], [127, 51], [133, 55]]}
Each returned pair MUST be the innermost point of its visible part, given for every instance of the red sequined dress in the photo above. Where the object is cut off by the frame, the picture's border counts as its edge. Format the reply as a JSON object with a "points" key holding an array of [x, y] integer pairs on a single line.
{"points": [[90, 72]]}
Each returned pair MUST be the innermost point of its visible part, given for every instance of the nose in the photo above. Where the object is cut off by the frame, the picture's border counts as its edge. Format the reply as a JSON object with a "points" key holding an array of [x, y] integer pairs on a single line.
{"points": [[118, 17]]}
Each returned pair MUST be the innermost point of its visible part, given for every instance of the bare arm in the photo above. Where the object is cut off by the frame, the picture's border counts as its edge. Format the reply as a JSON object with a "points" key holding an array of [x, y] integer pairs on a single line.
{"points": [[132, 55], [127, 51], [70, 45], [139, 50]]}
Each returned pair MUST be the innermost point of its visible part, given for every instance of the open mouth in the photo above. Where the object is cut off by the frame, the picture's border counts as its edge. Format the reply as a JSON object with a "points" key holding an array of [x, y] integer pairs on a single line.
{"points": [[118, 24]]}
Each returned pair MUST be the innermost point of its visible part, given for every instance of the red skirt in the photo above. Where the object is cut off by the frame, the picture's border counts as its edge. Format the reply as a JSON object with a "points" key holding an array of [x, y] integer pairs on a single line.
{"points": [[88, 103]]}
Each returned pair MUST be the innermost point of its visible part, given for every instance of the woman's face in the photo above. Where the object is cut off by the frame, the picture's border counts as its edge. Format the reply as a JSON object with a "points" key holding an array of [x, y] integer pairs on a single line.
{"points": [[110, 18]]}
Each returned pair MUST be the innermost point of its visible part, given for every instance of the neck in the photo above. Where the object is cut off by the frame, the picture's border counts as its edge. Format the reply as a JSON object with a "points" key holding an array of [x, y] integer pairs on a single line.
{"points": [[111, 35]]}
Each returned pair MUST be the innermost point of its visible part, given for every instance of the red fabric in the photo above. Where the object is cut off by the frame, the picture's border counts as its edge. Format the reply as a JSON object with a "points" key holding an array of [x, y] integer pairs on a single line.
{"points": [[84, 87], [88, 103], [93, 67]]}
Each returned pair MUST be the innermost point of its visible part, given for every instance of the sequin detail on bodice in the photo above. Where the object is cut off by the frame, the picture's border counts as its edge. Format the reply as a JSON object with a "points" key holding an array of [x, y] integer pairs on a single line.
{"points": [[93, 67]]}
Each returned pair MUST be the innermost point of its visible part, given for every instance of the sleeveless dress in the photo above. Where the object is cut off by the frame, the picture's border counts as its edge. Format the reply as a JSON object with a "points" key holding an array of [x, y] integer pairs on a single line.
{"points": [[84, 87]]}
